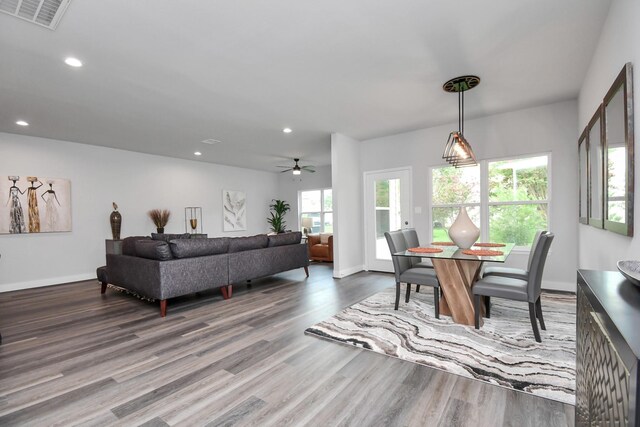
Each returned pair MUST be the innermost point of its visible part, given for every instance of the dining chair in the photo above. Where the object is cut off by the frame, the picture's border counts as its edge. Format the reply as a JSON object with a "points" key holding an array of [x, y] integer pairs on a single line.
{"points": [[411, 237], [528, 290], [516, 273], [406, 273]]}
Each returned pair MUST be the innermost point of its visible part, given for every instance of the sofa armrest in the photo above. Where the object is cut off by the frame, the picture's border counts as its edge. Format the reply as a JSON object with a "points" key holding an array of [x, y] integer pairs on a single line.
{"points": [[313, 239]]}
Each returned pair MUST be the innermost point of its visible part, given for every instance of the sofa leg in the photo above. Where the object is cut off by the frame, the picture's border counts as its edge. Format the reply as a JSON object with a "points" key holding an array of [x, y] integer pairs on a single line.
{"points": [[163, 307], [306, 270], [103, 287], [226, 291]]}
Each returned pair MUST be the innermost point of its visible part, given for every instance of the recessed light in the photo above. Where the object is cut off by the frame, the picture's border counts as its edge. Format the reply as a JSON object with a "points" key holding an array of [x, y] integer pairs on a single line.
{"points": [[287, 130], [211, 141], [197, 153], [73, 62], [22, 123]]}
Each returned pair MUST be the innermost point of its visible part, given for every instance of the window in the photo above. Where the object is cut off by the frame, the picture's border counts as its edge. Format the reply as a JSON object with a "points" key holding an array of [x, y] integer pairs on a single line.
{"points": [[317, 205], [452, 189], [518, 199], [507, 199]]}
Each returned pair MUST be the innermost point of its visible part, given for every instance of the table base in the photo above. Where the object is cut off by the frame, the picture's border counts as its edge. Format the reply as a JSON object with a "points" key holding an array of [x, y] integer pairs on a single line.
{"points": [[456, 279]]}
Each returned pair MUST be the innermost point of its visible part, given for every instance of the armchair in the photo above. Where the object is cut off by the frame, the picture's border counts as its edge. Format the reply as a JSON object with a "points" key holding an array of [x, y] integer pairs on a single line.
{"points": [[320, 247]]}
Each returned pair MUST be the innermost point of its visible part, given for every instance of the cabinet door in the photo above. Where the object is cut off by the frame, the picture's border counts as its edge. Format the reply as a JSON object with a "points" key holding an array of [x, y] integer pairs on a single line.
{"points": [[602, 379]]}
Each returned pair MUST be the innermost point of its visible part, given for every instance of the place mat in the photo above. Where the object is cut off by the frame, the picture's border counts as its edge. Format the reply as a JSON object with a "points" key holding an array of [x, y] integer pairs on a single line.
{"points": [[482, 252], [425, 250], [489, 245], [443, 243]]}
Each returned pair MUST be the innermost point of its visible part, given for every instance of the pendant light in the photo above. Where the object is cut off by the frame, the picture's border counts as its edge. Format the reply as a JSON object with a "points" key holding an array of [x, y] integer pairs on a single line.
{"points": [[457, 151]]}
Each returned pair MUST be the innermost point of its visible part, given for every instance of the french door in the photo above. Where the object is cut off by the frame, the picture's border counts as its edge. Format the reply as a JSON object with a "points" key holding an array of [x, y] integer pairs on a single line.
{"points": [[387, 207]]}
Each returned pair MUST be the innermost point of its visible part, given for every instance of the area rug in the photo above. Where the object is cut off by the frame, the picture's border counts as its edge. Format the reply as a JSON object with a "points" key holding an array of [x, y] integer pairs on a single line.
{"points": [[502, 352]]}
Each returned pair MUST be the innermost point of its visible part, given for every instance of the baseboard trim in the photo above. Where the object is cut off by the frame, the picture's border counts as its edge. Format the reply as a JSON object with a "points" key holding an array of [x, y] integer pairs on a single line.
{"points": [[347, 271], [8, 287], [559, 286]]}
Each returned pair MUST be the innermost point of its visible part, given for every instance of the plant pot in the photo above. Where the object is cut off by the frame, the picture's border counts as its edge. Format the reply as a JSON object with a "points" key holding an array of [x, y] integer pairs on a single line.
{"points": [[463, 232], [160, 230]]}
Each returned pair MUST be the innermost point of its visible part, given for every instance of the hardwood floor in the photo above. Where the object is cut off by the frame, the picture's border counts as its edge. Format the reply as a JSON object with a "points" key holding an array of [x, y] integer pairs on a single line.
{"points": [[71, 356]]}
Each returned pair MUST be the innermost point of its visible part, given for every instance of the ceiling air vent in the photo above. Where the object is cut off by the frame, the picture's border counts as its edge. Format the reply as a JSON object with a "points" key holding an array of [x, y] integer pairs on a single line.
{"points": [[42, 12]]}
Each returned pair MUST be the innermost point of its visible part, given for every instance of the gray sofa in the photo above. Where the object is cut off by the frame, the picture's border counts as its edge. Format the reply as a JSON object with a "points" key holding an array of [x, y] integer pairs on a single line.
{"points": [[168, 266]]}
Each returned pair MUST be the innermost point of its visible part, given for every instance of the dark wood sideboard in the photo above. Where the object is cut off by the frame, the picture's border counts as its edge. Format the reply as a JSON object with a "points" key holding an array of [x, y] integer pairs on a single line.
{"points": [[608, 350]]}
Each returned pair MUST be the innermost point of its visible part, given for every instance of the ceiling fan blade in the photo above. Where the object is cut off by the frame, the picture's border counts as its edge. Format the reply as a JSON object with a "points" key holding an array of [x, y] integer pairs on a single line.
{"points": [[286, 170], [308, 168]]}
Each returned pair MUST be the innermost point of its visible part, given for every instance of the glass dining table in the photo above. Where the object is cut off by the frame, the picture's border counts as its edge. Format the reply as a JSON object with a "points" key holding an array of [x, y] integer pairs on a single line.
{"points": [[457, 272]]}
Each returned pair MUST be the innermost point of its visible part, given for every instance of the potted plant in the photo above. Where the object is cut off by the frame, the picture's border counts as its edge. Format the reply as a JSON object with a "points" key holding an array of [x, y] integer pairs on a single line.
{"points": [[160, 218], [278, 210]]}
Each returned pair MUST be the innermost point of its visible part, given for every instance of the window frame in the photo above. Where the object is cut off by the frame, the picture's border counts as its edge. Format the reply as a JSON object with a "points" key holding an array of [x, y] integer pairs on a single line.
{"points": [[484, 203], [322, 210]]}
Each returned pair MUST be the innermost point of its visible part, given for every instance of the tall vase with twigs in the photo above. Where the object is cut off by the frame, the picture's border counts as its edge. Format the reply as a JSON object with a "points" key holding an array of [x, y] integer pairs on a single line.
{"points": [[160, 218]]}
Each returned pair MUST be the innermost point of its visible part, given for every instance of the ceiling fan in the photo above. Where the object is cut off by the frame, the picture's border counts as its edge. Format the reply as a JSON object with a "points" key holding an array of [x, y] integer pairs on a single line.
{"points": [[297, 170]]}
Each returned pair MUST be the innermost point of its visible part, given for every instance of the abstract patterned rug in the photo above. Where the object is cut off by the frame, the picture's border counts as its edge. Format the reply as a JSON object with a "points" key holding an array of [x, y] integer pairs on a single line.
{"points": [[502, 352]]}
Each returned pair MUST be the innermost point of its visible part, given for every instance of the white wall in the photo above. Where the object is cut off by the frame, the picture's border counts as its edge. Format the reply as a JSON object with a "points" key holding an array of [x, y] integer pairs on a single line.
{"points": [[619, 43], [289, 185], [346, 177], [136, 182], [546, 129]]}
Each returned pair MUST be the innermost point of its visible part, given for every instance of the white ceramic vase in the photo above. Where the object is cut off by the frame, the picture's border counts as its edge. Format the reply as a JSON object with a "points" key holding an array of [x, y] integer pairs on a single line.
{"points": [[463, 232]]}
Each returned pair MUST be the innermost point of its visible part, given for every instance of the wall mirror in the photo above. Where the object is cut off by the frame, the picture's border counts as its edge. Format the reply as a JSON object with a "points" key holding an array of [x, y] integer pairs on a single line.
{"points": [[618, 154], [596, 169], [583, 196]]}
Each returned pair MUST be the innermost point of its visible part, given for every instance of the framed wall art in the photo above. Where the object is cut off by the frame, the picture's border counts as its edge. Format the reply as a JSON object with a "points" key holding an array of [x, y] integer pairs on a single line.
{"points": [[34, 204]]}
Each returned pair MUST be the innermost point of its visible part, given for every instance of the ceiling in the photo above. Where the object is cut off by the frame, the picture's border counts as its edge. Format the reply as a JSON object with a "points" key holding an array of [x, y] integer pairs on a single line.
{"points": [[161, 76]]}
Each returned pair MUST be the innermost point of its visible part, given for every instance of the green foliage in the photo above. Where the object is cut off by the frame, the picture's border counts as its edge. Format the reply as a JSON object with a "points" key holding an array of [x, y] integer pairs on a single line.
{"points": [[278, 210], [449, 187]]}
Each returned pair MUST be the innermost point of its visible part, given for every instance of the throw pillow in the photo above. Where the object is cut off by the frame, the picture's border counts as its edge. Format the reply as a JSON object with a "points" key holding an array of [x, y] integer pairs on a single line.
{"points": [[285, 239], [153, 249], [129, 244], [182, 248], [239, 244], [324, 238], [169, 237]]}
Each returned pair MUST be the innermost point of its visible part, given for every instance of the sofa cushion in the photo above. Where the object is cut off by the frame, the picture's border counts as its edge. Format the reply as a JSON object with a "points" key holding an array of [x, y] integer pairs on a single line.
{"points": [[165, 237], [285, 239], [239, 244], [188, 248], [324, 238], [129, 244], [153, 249]]}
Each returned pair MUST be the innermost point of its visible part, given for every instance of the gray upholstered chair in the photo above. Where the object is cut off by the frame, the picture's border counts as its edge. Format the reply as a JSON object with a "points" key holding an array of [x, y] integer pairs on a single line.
{"points": [[517, 289], [411, 237], [405, 273], [516, 273]]}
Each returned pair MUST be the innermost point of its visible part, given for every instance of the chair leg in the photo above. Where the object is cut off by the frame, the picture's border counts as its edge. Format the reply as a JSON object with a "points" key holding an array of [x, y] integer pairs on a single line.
{"points": [[534, 322], [406, 299], [476, 309], [487, 303], [436, 300], [418, 288], [397, 295], [539, 314]]}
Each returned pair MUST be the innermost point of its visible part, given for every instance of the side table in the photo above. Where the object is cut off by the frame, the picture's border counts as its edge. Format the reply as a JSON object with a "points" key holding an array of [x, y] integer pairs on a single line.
{"points": [[113, 246]]}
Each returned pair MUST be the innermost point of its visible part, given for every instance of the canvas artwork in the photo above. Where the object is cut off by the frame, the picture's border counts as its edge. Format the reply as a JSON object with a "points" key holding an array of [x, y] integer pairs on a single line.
{"points": [[234, 210], [34, 204]]}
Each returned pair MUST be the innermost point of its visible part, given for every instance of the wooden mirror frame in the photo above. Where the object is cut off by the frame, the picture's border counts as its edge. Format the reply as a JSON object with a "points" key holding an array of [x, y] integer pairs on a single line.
{"points": [[624, 81], [599, 179], [583, 143]]}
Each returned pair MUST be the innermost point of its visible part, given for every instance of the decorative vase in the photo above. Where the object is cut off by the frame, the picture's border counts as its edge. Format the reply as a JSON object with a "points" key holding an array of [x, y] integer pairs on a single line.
{"points": [[116, 222], [160, 230], [463, 232]]}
